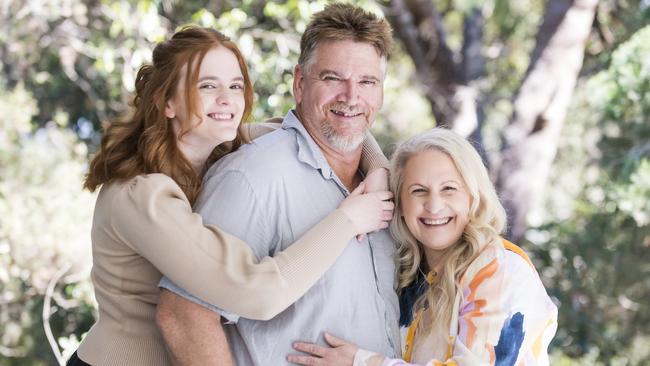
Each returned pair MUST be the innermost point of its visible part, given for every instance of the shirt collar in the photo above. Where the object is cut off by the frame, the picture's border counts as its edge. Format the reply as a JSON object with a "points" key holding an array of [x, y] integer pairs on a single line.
{"points": [[308, 152]]}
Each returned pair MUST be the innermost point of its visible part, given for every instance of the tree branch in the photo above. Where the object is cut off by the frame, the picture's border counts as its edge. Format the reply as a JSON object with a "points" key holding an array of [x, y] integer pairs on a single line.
{"points": [[473, 62], [419, 26], [47, 310]]}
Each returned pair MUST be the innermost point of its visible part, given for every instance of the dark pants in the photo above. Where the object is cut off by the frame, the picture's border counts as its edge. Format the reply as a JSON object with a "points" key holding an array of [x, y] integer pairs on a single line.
{"points": [[76, 361]]}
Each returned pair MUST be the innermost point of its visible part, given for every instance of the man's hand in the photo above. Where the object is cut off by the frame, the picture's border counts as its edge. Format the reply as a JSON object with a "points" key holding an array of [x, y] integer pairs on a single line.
{"points": [[193, 334], [341, 353]]}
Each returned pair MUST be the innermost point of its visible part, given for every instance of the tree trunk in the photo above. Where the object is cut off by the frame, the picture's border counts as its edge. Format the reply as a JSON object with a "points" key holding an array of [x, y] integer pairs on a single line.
{"points": [[531, 138], [446, 75]]}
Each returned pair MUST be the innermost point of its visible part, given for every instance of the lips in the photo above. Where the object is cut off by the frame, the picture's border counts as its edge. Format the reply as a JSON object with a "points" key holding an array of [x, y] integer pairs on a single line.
{"points": [[341, 113], [435, 222], [221, 116]]}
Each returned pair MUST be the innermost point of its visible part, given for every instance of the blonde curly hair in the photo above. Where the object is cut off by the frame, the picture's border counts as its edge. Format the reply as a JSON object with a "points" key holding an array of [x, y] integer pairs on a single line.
{"points": [[487, 219]]}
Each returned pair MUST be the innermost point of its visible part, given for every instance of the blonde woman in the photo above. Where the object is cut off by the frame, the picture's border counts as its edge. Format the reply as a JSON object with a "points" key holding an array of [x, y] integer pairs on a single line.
{"points": [[468, 296]]}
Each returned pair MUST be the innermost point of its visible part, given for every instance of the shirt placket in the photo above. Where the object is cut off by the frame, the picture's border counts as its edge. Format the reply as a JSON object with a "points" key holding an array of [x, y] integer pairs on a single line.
{"points": [[380, 302]]}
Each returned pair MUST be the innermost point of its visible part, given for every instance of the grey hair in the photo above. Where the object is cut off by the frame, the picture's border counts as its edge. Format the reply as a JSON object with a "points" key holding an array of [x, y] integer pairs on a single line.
{"points": [[340, 21]]}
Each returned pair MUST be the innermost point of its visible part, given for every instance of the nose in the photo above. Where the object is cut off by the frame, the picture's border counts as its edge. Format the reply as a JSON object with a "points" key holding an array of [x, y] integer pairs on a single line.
{"points": [[350, 94], [433, 204], [223, 97]]}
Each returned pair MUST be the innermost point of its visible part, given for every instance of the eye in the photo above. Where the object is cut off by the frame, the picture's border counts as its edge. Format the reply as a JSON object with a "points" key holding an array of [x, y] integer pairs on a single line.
{"points": [[331, 78], [207, 86], [419, 190], [369, 82], [237, 86], [449, 189]]}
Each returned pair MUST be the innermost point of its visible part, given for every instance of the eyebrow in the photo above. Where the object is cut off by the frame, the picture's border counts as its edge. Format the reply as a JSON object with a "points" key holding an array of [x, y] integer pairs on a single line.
{"points": [[451, 181], [415, 184], [328, 72], [332, 72], [238, 78], [441, 183]]}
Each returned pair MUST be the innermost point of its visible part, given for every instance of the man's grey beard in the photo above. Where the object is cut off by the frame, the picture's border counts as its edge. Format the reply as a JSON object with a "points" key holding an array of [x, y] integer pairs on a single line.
{"points": [[345, 143]]}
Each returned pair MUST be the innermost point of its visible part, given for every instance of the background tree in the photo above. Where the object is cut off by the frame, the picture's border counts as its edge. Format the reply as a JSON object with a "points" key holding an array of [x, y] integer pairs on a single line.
{"points": [[452, 82]]}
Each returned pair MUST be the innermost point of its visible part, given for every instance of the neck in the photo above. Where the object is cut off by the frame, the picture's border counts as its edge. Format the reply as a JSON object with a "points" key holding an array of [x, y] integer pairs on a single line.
{"points": [[435, 259], [345, 164], [196, 151], [196, 156]]}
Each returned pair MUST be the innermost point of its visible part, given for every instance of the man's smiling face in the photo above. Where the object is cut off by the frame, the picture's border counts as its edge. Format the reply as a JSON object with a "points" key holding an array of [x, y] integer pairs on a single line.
{"points": [[340, 91]]}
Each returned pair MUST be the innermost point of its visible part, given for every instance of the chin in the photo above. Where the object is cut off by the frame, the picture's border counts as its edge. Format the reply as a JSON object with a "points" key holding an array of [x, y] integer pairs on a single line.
{"points": [[345, 143], [227, 135]]}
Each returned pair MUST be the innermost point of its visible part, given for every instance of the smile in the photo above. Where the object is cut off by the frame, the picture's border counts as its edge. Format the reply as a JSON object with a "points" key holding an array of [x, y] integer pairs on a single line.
{"points": [[221, 116], [435, 222], [344, 114]]}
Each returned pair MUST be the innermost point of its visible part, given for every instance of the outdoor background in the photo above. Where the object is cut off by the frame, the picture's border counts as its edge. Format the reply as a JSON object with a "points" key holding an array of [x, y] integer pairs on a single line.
{"points": [[555, 93]]}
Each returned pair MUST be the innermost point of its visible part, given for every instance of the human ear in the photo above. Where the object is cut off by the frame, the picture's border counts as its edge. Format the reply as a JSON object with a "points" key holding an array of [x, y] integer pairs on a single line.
{"points": [[297, 83], [170, 110]]}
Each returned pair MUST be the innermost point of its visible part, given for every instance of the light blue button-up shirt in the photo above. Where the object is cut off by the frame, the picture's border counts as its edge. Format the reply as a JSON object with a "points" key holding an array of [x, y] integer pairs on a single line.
{"points": [[269, 193]]}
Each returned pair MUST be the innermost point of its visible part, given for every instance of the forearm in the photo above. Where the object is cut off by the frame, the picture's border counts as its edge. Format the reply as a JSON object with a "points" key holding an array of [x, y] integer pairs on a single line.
{"points": [[371, 155], [262, 290], [367, 358], [157, 222], [192, 333]]}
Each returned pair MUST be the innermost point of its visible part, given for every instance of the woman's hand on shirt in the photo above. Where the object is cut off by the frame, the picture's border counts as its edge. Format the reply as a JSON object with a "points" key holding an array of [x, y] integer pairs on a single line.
{"points": [[368, 211], [376, 181]]}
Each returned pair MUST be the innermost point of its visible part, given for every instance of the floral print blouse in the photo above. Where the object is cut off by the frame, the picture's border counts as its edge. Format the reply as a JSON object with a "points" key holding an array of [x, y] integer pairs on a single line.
{"points": [[504, 317]]}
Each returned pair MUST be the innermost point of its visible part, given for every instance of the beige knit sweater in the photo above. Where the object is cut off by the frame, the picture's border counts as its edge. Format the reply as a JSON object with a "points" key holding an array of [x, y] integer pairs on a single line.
{"points": [[145, 226]]}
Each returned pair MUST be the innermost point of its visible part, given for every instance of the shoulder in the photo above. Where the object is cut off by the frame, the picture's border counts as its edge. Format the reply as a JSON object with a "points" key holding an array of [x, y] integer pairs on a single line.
{"points": [[266, 156], [495, 257], [278, 141], [498, 270], [147, 184], [254, 130], [509, 275], [139, 191], [140, 204]]}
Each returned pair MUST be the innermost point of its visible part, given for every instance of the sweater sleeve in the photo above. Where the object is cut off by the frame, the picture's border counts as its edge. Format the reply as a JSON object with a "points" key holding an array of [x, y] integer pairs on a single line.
{"points": [[151, 215], [371, 155], [255, 130]]}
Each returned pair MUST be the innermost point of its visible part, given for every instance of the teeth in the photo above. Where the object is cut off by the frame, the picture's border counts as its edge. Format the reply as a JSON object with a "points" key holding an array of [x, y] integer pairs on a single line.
{"points": [[220, 115], [344, 114], [436, 221]]}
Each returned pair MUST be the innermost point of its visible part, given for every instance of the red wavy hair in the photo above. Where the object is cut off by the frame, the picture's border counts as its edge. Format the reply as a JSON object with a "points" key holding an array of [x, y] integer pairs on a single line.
{"points": [[145, 142]]}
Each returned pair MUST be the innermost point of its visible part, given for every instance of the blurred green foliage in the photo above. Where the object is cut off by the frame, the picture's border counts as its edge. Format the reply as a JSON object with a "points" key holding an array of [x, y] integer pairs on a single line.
{"points": [[67, 67], [597, 248], [44, 226]]}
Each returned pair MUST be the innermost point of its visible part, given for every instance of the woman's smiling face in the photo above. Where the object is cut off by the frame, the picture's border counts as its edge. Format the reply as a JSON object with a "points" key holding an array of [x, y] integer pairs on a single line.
{"points": [[220, 87], [434, 201]]}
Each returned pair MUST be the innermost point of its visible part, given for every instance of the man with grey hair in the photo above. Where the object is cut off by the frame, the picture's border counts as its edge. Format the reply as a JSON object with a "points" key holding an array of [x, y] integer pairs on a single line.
{"points": [[271, 191]]}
